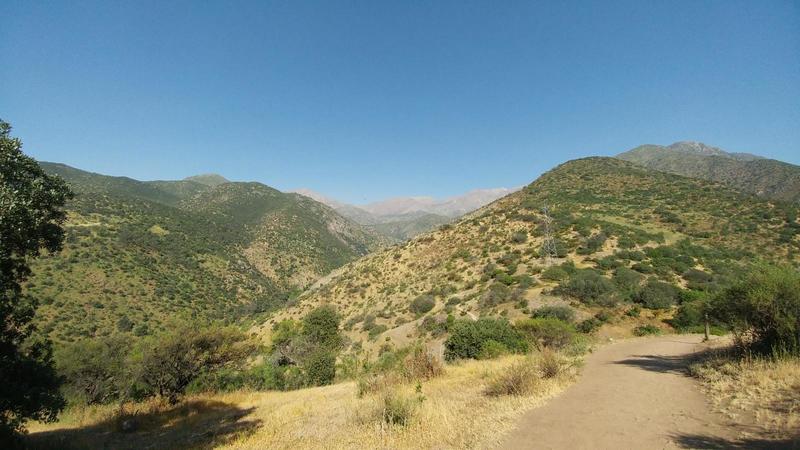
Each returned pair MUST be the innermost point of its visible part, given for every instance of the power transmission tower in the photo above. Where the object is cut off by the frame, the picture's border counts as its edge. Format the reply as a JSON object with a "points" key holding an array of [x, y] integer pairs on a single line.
{"points": [[549, 251]]}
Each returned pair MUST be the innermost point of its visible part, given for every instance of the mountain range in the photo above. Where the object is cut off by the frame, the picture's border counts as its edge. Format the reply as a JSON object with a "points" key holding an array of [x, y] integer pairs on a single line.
{"points": [[401, 218], [140, 252]]}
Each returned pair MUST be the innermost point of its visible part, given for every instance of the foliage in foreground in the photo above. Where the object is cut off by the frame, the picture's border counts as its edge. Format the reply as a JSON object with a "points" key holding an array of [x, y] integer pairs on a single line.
{"points": [[467, 338], [763, 309], [31, 215]]}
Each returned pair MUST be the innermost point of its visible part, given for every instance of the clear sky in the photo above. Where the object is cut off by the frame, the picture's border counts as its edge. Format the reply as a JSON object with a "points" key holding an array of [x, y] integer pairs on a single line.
{"points": [[367, 100]]}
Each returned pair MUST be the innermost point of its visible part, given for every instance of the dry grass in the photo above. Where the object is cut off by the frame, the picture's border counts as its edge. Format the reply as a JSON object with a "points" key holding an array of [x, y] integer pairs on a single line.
{"points": [[521, 378], [765, 390], [448, 411]]}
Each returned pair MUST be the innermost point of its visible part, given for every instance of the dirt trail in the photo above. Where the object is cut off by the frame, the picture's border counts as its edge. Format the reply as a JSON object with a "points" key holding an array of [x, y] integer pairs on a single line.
{"points": [[631, 394]]}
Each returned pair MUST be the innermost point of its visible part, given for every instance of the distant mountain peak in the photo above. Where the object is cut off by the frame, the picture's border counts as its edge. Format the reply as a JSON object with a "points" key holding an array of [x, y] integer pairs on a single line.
{"points": [[208, 179], [697, 148], [743, 171]]}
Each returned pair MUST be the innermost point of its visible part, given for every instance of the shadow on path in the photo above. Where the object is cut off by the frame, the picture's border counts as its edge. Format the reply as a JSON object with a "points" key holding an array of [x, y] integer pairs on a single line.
{"points": [[713, 443], [192, 424], [655, 363]]}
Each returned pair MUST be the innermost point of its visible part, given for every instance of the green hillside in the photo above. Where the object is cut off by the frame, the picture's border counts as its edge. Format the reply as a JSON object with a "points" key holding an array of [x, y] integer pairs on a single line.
{"points": [[138, 253], [620, 230], [767, 178]]}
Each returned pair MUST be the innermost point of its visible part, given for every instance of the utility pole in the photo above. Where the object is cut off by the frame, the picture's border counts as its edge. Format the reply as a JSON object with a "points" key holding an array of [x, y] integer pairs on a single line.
{"points": [[549, 250]]}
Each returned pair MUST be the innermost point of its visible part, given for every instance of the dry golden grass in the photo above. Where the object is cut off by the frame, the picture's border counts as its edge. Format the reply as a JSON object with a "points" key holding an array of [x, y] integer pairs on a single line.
{"points": [[447, 411], [454, 412], [765, 390]]}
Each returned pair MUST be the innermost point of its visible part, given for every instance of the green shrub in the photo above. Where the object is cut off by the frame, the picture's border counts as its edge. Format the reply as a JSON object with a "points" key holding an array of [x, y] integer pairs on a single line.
{"points": [[519, 237], [564, 313], [165, 365], [589, 325], [588, 286], [627, 281], [320, 367], [657, 295], [422, 304], [689, 314], [467, 337], [492, 349], [547, 332], [763, 309], [634, 311], [554, 273], [644, 330]]}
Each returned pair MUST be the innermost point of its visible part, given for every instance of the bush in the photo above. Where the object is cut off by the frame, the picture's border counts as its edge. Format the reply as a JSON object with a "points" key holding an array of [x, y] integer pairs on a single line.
{"points": [[589, 325], [689, 314], [398, 409], [165, 365], [492, 349], [564, 313], [549, 364], [304, 354], [320, 367], [467, 337], [627, 281], [657, 295], [588, 286], [421, 365], [521, 378], [554, 273], [644, 330], [547, 332], [321, 327], [496, 294], [422, 304], [519, 237], [764, 309]]}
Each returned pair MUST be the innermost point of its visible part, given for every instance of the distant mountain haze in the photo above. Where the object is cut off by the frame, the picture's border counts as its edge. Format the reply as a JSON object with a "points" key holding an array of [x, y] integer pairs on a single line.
{"points": [[401, 218], [746, 172]]}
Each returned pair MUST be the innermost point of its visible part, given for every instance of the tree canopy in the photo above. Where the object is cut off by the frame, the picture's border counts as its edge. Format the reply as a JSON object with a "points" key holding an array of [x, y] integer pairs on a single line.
{"points": [[31, 216]]}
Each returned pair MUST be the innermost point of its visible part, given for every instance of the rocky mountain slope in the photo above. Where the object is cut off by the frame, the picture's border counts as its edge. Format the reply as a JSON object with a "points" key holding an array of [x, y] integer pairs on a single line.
{"points": [[138, 253], [750, 173], [619, 230]]}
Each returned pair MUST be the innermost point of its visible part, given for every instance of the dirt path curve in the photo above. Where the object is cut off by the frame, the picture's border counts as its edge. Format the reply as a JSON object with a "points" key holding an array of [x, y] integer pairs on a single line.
{"points": [[631, 394]]}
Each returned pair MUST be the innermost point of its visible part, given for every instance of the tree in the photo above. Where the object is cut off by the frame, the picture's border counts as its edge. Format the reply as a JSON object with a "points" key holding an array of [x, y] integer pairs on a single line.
{"points": [[31, 215], [166, 364], [763, 309]]}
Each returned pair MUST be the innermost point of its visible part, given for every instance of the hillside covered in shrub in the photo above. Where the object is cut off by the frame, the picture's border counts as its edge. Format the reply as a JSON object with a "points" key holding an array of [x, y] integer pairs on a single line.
{"points": [[631, 243], [137, 253]]}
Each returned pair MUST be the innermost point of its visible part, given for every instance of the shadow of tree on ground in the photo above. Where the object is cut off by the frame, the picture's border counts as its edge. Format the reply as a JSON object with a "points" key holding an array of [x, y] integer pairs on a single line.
{"points": [[655, 363], [192, 424], [697, 441]]}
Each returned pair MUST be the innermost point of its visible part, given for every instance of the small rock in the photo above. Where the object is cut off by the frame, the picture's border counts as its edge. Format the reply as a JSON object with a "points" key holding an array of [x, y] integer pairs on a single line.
{"points": [[128, 425]]}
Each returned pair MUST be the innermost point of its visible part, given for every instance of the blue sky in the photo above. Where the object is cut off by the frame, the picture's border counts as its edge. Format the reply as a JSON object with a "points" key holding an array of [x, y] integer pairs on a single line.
{"points": [[367, 100]]}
